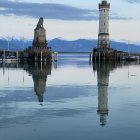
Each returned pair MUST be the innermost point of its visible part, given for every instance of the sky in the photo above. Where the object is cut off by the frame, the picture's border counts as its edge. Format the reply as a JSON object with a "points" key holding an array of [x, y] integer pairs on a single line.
{"points": [[69, 19]]}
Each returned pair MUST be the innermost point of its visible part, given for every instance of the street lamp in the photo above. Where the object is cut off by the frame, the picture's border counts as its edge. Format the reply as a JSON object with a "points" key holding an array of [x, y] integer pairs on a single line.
{"points": [[8, 42], [128, 48]]}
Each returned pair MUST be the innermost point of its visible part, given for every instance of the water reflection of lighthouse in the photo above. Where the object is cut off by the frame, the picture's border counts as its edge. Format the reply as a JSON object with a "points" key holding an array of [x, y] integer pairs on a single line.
{"points": [[103, 81], [103, 70]]}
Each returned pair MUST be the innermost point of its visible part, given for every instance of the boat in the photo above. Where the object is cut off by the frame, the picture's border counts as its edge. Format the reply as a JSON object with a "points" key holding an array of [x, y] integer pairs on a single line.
{"points": [[1, 58], [132, 58], [8, 59]]}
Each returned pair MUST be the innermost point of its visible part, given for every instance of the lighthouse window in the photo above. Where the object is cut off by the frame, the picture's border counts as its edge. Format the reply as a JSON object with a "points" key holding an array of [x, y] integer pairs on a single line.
{"points": [[104, 23], [104, 10]]}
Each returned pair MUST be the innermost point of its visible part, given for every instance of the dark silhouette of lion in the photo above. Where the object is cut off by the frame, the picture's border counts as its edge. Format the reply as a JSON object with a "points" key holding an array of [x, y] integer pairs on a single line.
{"points": [[40, 22]]}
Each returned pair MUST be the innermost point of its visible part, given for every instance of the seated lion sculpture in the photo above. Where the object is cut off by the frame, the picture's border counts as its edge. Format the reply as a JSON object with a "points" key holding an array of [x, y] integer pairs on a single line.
{"points": [[40, 22]]}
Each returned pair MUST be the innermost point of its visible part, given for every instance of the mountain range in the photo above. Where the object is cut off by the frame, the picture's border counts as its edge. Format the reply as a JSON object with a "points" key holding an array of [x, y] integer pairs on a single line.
{"points": [[80, 45]]}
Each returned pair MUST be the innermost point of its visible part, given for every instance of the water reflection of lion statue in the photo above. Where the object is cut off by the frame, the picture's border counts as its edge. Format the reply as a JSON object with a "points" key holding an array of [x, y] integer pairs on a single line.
{"points": [[40, 22]]}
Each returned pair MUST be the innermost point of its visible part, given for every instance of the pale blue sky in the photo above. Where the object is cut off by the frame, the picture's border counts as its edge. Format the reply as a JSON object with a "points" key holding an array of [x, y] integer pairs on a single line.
{"points": [[69, 19]]}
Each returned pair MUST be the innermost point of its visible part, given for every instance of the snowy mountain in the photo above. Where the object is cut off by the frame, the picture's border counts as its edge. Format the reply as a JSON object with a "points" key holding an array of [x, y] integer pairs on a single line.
{"points": [[80, 45]]}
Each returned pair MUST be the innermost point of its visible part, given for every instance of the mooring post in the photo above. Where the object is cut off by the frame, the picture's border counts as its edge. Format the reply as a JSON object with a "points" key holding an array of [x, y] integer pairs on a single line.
{"points": [[3, 68], [115, 56], [45, 59], [41, 66], [55, 65], [90, 57], [17, 56], [104, 56], [4, 55], [55, 56], [35, 58], [17, 64], [41, 56], [99, 56]]}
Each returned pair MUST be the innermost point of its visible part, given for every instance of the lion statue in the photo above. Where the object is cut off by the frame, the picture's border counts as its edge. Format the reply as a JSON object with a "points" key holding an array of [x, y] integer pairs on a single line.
{"points": [[40, 22]]}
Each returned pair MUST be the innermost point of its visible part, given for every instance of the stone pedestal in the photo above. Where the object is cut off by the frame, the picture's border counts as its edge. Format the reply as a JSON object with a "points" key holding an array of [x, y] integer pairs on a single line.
{"points": [[105, 54], [39, 51]]}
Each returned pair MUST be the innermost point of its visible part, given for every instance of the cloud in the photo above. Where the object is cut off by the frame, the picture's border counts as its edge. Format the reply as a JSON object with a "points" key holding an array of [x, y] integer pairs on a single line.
{"points": [[133, 1], [49, 11], [114, 16]]}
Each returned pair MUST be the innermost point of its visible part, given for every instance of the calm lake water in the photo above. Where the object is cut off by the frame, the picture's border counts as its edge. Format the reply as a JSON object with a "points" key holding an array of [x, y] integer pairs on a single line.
{"points": [[70, 100]]}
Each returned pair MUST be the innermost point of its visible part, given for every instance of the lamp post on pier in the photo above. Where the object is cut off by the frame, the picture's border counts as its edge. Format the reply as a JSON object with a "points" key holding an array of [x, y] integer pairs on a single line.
{"points": [[128, 49], [8, 43]]}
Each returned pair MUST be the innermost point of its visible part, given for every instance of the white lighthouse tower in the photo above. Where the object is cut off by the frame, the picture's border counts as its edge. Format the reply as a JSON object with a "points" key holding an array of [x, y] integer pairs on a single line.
{"points": [[103, 36]]}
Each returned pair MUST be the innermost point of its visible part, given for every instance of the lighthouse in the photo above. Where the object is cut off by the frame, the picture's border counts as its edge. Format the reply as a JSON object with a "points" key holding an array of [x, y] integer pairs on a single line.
{"points": [[104, 52], [103, 36]]}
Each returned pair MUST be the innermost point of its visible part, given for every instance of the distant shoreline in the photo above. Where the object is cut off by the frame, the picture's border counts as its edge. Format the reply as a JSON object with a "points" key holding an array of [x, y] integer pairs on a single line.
{"points": [[72, 52]]}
